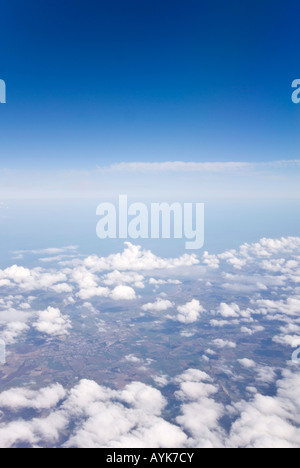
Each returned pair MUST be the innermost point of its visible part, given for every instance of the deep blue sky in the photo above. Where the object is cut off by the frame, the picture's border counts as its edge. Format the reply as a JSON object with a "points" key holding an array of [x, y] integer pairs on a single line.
{"points": [[92, 83]]}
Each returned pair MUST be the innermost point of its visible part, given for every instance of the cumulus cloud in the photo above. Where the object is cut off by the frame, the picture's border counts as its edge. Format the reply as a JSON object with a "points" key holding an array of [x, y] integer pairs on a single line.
{"points": [[190, 312], [231, 315], [134, 258], [264, 374], [118, 278], [196, 390], [87, 283], [256, 290], [100, 417], [266, 421], [92, 416], [20, 398], [125, 293], [253, 330], [211, 261], [52, 322], [158, 306], [247, 363], [220, 343], [31, 433], [125, 418], [226, 310], [122, 269], [35, 279], [132, 358], [13, 330], [161, 380], [159, 282]]}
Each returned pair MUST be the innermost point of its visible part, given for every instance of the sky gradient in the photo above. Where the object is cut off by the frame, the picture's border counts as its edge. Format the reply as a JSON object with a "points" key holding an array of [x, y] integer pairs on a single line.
{"points": [[94, 83], [149, 343], [161, 101]]}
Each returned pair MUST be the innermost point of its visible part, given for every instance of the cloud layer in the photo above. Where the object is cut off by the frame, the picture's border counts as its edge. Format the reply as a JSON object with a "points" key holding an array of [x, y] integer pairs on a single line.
{"points": [[208, 339], [93, 416]]}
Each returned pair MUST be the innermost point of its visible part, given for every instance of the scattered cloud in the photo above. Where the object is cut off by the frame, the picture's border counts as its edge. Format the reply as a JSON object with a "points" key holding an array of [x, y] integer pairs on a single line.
{"points": [[257, 291], [125, 293], [93, 416], [52, 322], [13, 330], [190, 312], [21, 398], [220, 343], [158, 306]]}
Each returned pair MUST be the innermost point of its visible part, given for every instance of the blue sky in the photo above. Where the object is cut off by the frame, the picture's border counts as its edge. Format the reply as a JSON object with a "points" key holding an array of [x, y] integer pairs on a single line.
{"points": [[93, 86], [162, 101], [93, 83]]}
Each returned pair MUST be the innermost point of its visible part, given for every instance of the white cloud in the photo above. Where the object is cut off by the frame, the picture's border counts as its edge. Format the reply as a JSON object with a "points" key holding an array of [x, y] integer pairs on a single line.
{"points": [[126, 418], [187, 334], [178, 166], [287, 340], [48, 251], [52, 322], [118, 278], [125, 293], [194, 167], [264, 296], [159, 282], [46, 429], [132, 358], [190, 312], [247, 363], [196, 390], [20, 398], [13, 330], [211, 261], [220, 343], [133, 258], [158, 306], [161, 380], [264, 374], [90, 415], [30, 280], [88, 284], [226, 310], [253, 330], [271, 422], [222, 323]]}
